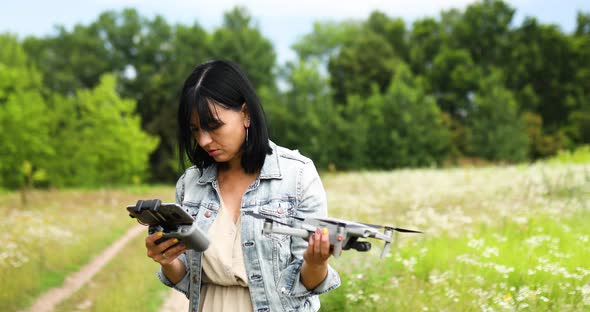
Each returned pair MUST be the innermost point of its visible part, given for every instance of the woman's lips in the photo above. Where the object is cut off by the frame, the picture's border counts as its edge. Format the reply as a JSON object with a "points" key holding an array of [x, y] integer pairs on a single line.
{"points": [[213, 152]]}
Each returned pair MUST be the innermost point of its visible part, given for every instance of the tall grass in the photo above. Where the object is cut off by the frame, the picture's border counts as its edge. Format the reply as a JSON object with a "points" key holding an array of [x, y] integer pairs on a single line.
{"points": [[127, 283], [57, 233], [497, 239], [540, 265], [580, 155]]}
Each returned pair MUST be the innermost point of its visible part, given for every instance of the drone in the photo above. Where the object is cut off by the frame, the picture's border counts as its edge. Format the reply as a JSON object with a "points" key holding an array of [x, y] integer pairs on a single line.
{"points": [[344, 235]]}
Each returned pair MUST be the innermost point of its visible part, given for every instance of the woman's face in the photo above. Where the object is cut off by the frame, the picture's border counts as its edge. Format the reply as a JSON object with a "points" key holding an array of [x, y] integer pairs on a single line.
{"points": [[224, 142]]}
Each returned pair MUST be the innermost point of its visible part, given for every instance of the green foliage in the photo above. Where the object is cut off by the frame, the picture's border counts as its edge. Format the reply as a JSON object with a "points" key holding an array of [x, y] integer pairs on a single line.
{"points": [[541, 72], [392, 30], [452, 77], [151, 59], [495, 130], [326, 39], [542, 144], [339, 104], [70, 60], [426, 39], [483, 29], [579, 126], [91, 139], [368, 60], [101, 137], [310, 116], [581, 155], [240, 40], [405, 126], [24, 119]]}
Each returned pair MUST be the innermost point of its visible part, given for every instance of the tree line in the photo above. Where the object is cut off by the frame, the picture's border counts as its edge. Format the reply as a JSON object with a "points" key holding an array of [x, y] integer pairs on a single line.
{"points": [[96, 104]]}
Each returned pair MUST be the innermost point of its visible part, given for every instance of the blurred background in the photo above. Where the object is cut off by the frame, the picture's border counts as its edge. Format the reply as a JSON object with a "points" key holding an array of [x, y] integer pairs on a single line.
{"points": [[432, 84], [89, 90]]}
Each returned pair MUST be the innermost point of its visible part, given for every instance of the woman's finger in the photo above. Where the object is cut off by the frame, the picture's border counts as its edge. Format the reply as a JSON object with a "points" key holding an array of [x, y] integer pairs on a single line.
{"points": [[325, 244], [165, 245], [175, 251], [150, 240], [316, 243]]}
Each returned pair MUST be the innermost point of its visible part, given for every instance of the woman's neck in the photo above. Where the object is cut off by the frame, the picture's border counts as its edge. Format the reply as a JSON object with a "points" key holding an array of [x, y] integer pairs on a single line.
{"points": [[231, 167]]}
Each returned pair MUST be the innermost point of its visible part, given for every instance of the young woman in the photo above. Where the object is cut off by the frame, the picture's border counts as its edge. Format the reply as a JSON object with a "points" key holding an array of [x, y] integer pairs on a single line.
{"points": [[236, 169]]}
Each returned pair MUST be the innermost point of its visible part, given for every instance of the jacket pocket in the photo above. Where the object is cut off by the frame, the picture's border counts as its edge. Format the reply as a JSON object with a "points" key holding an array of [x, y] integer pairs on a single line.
{"points": [[191, 208], [278, 210]]}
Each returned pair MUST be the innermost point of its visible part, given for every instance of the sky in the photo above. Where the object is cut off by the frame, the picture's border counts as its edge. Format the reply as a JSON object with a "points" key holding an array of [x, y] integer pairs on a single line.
{"points": [[283, 22]]}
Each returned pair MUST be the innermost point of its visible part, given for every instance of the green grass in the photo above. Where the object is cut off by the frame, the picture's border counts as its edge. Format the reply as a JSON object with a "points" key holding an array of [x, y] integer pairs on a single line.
{"points": [[127, 283], [539, 265], [497, 239], [580, 155], [56, 234], [510, 238]]}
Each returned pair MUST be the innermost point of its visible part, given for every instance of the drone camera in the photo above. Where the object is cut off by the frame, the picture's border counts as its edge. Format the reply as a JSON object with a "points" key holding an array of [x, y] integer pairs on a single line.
{"points": [[362, 246]]}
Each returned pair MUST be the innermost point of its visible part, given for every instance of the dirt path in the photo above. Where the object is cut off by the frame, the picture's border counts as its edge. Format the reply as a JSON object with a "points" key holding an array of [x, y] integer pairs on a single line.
{"points": [[72, 283], [176, 302]]}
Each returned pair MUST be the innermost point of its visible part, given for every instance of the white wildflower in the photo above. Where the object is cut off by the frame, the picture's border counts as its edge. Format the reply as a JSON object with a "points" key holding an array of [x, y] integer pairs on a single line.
{"points": [[490, 251], [476, 243], [374, 297]]}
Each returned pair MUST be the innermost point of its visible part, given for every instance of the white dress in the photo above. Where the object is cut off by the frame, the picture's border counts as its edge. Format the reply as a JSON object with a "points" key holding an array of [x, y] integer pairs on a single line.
{"points": [[225, 283]]}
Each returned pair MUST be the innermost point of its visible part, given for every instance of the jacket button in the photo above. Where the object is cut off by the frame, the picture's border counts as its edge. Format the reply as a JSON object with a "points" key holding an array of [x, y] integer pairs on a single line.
{"points": [[207, 214], [195, 279], [280, 210]]}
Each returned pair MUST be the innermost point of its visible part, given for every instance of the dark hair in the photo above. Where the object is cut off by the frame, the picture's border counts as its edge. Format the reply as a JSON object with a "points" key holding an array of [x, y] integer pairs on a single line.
{"points": [[222, 83]]}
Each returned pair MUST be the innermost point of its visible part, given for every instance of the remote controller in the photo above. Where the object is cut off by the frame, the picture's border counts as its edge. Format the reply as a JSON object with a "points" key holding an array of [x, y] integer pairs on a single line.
{"points": [[171, 220]]}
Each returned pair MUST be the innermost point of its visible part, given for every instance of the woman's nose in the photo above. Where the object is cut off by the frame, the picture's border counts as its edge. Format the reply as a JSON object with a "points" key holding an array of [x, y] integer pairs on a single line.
{"points": [[204, 138]]}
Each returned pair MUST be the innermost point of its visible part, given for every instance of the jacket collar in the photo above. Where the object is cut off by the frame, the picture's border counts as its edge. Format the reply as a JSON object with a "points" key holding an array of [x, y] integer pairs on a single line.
{"points": [[270, 169]]}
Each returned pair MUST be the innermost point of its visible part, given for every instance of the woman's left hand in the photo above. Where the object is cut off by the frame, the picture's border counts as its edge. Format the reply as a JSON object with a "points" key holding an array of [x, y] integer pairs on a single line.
{"points": [[315, 259], [318, 250]]}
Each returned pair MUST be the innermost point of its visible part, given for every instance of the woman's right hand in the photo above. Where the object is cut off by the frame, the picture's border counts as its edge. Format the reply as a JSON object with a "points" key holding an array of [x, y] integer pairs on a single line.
{"points": [[165, 252]]}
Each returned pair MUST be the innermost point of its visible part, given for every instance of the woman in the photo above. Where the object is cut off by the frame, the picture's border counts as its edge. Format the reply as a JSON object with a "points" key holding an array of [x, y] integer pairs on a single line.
{"points": [[236, 169]]}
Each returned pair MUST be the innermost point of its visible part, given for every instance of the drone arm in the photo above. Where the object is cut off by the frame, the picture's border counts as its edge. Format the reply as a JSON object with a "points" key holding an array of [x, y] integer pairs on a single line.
{"points": [[384, 237], [270, 228]]}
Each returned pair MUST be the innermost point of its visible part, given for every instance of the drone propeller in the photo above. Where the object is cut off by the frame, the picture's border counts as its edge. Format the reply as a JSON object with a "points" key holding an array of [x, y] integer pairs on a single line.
{"points": [[263, 217], [376, 226], [336, 222], [389, 228], [403, 230]]}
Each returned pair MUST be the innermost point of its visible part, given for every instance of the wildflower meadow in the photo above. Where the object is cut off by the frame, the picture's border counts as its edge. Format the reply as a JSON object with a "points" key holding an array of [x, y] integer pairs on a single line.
{"points": [[509, 238], [498, 238]]}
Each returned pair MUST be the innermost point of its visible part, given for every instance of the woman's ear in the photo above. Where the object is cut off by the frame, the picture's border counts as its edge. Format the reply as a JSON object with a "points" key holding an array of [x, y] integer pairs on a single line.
{"points": [[246, 115]]}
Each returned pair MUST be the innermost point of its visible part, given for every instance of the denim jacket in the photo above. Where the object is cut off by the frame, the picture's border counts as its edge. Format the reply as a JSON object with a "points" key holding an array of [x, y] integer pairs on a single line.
{"points": [[288, 185]]}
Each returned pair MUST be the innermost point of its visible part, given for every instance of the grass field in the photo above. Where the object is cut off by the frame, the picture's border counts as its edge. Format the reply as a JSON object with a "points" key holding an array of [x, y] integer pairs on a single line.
{"points": [[127, 283], [57, 233], [497, 239]]}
